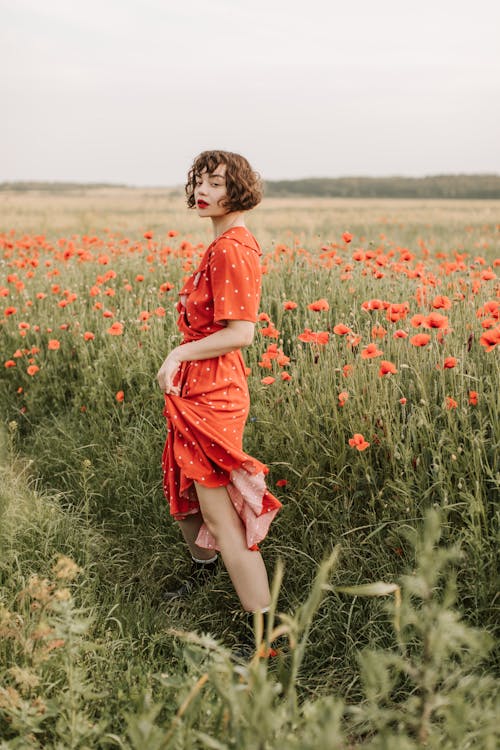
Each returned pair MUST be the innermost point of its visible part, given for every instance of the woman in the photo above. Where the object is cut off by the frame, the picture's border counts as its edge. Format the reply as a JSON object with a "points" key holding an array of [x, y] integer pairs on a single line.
{"points": [[216, 492]]}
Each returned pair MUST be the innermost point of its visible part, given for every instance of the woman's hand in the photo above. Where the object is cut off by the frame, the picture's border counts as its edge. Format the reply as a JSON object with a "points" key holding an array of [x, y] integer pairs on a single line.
{"points": [[167, 373]]}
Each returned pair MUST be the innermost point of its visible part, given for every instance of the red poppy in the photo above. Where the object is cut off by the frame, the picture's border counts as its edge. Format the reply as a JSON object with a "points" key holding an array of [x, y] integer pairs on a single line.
{"points": [[89, 336], [403, 400], [490, 338], [319, 305], [378, 332], [421, 339], [289, 305], [441, 302], [282, 483], [286, 376], [371, 351], [271, 332], [387, 368], [449, 363], [343, 396], [357, 441], [264, 317], [268, 380], [120, 396], [473, 396], [148, 235], [341, 330], [116, 329], [436, 320], [347, 237], [311, 337], [9, 363], [417, 320], [54, 344], [400, 334], [347, 370], [32, 370], [450, 403]]}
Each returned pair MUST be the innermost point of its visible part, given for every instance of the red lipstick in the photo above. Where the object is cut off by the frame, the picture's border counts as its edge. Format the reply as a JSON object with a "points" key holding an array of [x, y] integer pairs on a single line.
{"points": [[202, 204]]}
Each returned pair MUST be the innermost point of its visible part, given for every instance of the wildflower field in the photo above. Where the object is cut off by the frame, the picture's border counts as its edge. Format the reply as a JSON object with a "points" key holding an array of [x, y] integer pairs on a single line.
{"points": [[375, 389]]}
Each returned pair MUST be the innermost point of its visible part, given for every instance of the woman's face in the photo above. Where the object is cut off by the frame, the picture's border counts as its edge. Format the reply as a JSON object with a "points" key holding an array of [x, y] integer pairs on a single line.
{"points": [[210, 192]]}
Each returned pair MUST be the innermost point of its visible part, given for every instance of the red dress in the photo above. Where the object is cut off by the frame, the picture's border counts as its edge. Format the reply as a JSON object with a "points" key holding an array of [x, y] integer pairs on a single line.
{"points": [[205, 422]]}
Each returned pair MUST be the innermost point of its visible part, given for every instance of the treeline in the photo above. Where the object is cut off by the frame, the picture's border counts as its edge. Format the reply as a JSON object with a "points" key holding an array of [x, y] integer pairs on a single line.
{"points": [[56, 187], [458, 186], [435, 186]]}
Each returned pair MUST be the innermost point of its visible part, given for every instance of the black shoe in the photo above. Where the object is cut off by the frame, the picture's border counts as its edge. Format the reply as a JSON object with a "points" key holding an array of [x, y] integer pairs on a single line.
{"points": [[199, 575]]}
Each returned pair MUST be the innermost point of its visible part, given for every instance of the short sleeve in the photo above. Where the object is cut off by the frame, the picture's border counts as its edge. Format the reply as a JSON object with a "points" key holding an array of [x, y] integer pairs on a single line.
{"points": [[235, 276]]}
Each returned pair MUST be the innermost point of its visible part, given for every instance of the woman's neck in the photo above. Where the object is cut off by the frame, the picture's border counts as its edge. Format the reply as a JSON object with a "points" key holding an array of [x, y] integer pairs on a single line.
{"points": [[222, 223]]}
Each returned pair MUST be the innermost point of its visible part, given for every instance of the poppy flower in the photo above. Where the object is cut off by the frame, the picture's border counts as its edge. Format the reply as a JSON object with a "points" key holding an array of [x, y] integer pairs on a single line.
{"points": [[271, 332], [286, 376], [373, 304], [54, 344], [115, 330], [371, 351], [343, 396], [166, 286], [450, 403], [289, 305], [148, 235], [473, 396], [9, 363], [89, 336], [387, 368], [378, 332], [347, 237], [403, 400], [120, 396], [312, 337], [341, 330], [139, 277], [268, 380], [490, 338], [441, 302], [264, 317], [399, 334], [436, 320], [319, 305], [347, 370], [282, 483], [449, 363], [421, 339], [32, 370], [417, 320], [357, 441]]}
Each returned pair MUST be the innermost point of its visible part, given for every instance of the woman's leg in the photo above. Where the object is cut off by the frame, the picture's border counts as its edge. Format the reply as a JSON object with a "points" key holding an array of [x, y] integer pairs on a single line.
{"points": [[190, 527], [245, 567]]}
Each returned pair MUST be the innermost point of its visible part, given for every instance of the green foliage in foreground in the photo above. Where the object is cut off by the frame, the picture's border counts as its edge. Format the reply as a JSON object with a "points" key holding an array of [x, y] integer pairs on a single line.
{"points": [[75, 679]]}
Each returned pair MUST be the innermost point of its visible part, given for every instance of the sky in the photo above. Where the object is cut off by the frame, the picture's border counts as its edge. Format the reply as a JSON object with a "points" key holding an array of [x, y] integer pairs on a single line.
{"points": [[130, 91]]}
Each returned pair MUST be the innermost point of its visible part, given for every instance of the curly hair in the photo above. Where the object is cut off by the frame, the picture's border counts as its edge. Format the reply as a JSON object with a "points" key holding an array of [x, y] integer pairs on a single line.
{"points": [[243, 185]]}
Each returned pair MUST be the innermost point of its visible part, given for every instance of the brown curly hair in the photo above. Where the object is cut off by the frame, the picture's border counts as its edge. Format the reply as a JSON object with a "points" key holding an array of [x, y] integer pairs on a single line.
{"points": [[243, 185]]}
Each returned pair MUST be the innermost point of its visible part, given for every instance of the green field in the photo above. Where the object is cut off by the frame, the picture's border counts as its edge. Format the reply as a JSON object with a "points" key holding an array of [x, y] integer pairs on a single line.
{"points": [[93, 655]]}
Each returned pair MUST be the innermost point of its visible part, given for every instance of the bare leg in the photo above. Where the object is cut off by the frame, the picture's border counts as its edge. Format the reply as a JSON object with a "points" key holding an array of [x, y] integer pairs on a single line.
{"points": [[190, 527], [245, 567]]}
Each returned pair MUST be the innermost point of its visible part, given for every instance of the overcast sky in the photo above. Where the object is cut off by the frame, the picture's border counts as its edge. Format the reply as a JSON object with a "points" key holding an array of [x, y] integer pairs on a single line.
{"points": [[130, 91]]}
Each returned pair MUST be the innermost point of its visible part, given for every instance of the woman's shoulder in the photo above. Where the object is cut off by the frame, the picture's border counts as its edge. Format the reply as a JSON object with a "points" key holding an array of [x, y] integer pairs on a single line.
{"points": [[236, 239]]}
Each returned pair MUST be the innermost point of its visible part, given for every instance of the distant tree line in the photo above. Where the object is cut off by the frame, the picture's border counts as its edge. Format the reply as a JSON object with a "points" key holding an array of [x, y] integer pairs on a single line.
{"points": [[435, 186], [464, 186]]}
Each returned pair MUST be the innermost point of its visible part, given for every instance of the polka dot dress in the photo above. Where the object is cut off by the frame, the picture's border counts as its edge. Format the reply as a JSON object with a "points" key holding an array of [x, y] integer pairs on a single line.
{"points": [[205, 422]]}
